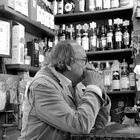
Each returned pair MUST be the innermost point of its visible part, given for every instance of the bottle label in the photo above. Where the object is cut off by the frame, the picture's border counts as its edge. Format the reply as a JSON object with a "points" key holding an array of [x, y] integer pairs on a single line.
{"points": [[116, 84], [93, 41], [116, 81], [124, 82], [126, 38], [62, 38], [103, 41], [132, 79], [109, 37], [85, 43], [118, 36]]}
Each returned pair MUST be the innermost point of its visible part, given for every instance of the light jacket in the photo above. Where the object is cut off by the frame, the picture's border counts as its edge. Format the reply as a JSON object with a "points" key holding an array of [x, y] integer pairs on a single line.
{"points": [[51, 112]]}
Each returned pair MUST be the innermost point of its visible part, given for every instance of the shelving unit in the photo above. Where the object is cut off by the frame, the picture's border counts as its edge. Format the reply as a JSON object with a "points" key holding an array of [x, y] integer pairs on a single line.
{"points": [[32, 27], [96, 15]]}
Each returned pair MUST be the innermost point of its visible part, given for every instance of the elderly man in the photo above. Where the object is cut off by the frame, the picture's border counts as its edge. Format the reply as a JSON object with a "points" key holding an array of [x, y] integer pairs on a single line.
{"points": [[55, 104]]}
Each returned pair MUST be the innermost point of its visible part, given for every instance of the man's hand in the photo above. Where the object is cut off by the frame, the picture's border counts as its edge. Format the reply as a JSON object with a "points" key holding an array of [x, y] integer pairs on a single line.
{"points": [[92, 77]]}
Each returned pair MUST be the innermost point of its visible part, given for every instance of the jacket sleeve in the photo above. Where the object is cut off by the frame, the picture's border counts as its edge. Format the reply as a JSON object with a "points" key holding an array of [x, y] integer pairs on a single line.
{"points": [[104, 113], [51, 108]]}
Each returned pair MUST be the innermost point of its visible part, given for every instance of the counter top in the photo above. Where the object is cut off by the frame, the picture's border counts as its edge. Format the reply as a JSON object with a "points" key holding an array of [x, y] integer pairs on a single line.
{"points": [[116, 131]]}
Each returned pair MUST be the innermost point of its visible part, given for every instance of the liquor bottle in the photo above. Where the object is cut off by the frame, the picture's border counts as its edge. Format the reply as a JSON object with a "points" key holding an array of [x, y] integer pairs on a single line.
{"points": [[106, 4], [92, 37], [60, 6], [99, 5], [81, 5], [69, 6], [103, 38], [56, 37], [115, 68], [90, 5], [62, 35], [54, 3], [78, 34], [107, 76], [118, 36], [132, 77], [110, 36], [71, 32], [85, 37], [98, 33], [124, 79], [126, 34]]}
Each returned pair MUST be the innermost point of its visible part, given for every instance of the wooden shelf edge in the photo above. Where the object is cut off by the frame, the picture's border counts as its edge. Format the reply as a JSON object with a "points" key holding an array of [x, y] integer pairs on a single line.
{"points": [[110, 51], [94, 12], [20, 67], [121, 92]]}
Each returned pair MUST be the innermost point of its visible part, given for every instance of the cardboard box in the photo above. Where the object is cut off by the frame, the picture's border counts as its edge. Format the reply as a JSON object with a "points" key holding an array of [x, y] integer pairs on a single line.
{"points": [[33, 9], [18, 54], [22, 6], [18, 34]]}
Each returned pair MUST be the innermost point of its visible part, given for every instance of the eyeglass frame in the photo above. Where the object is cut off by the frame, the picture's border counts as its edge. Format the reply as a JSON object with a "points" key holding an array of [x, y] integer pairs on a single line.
{"points": [[85, 60]]}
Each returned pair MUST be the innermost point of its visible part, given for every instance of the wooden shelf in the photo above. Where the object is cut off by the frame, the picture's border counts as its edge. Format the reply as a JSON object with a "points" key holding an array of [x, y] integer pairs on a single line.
{"points": [[124, 12], [31, 26], [122, 92], [19, 67], [110, 54]]}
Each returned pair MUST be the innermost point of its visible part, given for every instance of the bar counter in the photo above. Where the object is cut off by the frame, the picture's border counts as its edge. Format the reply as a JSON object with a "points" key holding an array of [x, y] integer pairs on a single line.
{"points": [[111, 132]]}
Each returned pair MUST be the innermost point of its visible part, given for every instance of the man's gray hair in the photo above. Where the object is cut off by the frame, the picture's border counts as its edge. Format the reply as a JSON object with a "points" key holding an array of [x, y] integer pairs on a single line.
{"points": [[62, 54]]}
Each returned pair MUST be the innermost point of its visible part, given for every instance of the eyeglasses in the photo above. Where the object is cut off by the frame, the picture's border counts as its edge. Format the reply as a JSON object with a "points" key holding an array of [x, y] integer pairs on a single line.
{"points": [[84, 60]]}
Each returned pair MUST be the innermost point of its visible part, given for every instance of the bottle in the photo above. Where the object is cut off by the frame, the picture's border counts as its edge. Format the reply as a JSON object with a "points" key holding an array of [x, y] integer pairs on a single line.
{"points": [[126, 35], [124, 79], [78, 34], [132, 77], [71, 32], [107, 76], [60, 7], [90, 5], [85, 37], [103, 38], [54, 3], [98, 33], [118, 36], [62, 35], [110, 36], [99, 5], [81, 5], [69, 6], [115, 75], [92, 37]]}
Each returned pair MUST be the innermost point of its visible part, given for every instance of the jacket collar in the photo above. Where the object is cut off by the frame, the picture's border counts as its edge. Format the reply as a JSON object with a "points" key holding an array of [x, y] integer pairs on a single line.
{"points": [[63, 81]]}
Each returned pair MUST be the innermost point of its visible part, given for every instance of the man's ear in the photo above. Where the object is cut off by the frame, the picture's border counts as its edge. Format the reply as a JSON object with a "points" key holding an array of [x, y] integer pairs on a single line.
{"points": [[68, 67]]}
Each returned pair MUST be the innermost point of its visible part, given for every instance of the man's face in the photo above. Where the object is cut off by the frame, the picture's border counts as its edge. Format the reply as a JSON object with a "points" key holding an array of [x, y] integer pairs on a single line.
{"points": [[79, 65]]}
